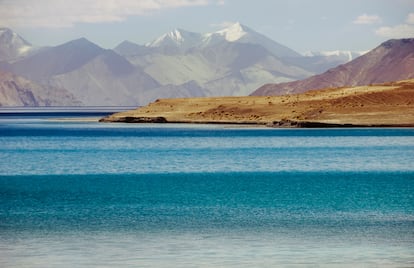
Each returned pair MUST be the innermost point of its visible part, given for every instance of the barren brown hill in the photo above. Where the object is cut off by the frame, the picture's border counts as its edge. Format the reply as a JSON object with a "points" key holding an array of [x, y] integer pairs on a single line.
{"points": [[391, 61], [390, 104]]}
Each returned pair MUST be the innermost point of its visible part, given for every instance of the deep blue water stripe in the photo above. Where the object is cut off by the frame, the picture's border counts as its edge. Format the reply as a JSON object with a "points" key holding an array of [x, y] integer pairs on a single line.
{"points": [[209, 200], [100, 130]]}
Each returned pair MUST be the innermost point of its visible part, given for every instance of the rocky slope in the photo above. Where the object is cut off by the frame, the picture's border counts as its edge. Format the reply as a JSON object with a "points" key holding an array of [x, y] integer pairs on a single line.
{"points": [[391, 61], [390, 104], [18, 91]]}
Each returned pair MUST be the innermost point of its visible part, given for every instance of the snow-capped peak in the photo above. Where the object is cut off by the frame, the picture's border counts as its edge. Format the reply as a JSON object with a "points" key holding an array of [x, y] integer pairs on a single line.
{"points": [[178, 38], [233, 33], [184, 39], [8, 36], [176, 35], [12, 45]]}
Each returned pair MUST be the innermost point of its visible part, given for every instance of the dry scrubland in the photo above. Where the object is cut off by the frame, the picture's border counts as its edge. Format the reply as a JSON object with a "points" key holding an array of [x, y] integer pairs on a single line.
{"points": [[388, 104]]}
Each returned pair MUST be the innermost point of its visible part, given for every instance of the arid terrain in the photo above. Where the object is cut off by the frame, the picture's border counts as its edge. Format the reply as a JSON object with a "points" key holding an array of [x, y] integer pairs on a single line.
{"points": [[388, 104]]}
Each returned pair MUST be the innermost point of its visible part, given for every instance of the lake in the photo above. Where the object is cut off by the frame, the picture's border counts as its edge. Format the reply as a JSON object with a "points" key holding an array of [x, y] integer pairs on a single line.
{"points": [[88, 194]]}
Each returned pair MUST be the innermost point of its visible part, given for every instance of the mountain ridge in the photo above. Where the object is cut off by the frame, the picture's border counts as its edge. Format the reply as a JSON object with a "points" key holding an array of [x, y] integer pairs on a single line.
{"points": [[235, 32], [57, 60], [390, 61], [230, 62]]}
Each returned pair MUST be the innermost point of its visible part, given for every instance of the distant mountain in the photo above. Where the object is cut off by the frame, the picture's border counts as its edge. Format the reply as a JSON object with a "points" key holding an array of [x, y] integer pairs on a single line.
{"points": [[57, 60], [391, 61], [108, 79], [231, 62], [128, 48], [186, 90], [12, 46], [184, 40], [178, 38], [96, 76], [18, 91], [242, 34]]}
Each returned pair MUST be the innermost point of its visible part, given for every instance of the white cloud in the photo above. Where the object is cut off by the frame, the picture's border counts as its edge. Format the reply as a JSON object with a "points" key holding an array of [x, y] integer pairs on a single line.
{"points": [[64, 13], [223, 24], [410, 18], [367, 19], [398, 31]]}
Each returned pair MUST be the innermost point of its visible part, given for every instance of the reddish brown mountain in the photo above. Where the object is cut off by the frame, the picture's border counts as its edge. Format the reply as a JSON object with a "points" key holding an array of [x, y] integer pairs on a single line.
{"points": [[393, 60]]}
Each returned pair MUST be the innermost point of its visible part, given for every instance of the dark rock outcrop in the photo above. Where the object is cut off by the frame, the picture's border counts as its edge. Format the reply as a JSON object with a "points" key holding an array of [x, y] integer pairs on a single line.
{"points": [[132, 119]]}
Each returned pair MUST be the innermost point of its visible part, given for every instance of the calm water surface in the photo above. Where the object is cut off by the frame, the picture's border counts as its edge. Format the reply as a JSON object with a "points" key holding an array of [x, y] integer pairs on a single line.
{"points": [[76, 194]]}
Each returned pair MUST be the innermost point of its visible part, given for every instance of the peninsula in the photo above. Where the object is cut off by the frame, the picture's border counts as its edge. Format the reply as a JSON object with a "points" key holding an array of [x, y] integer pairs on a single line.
{"points": [[380, 105]]}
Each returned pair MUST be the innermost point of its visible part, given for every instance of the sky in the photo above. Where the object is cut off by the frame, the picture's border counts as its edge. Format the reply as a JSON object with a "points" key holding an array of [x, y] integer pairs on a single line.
{"points": [[303, 25]]}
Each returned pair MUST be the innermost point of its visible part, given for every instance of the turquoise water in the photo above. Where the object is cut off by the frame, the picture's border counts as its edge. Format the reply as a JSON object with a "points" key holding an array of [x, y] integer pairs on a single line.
{"points": [[116, 195]]}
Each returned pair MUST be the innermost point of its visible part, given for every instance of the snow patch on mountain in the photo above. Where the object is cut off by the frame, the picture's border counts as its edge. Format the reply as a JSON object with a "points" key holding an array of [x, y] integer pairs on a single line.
{"points": [[24, 50], [236, 32], [177, 38], [12, 45], [186, 39], [231, 34]]}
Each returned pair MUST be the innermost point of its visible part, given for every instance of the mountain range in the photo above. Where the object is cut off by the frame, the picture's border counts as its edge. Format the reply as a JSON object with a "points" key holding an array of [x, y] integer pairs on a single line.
{"points": [[231, 62]]}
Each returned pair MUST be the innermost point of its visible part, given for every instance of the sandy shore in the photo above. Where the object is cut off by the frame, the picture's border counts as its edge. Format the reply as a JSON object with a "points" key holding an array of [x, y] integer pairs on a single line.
{"points": [[383, 105]]}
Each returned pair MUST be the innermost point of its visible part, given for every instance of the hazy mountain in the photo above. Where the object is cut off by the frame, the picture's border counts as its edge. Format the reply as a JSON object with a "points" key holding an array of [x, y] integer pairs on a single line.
{"points": [[178, 38], [221, 69], [233, 61], [18, 91], [246, 66], [235, 33], [186, 90], [12, 46], [391, 61], [96, 76], [57, 60], [242, 34], [128, 48], [108, 79]]}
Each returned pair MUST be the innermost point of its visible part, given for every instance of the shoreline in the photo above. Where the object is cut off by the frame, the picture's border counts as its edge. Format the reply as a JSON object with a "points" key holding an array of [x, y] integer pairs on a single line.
{"points": [[274, 124]]}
